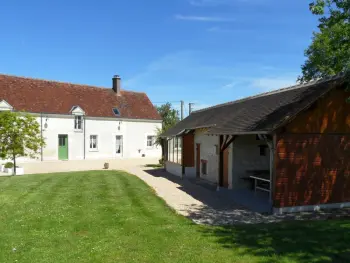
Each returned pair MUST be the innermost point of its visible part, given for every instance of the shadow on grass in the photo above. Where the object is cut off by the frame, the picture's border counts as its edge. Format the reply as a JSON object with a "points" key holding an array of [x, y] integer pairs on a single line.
{"points": [[304, 242], [321, 237]]}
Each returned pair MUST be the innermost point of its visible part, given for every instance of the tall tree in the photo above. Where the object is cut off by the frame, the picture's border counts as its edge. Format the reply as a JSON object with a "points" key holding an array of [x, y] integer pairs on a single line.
{"points": [[19, 136], [329, 52], [170, 118]]}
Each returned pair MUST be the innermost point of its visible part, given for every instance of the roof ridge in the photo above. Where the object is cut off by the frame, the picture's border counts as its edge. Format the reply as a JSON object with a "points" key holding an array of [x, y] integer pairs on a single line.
{"points": [[297, 86], [68, 83]]}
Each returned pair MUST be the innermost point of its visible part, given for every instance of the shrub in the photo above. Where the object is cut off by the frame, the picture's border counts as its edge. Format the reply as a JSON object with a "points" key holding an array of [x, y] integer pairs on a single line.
{"points": [[161, 161], [8, 165]]}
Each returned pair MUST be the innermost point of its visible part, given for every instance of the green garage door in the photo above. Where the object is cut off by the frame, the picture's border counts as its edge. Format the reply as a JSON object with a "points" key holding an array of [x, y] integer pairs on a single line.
{"points": [[63, 147]]}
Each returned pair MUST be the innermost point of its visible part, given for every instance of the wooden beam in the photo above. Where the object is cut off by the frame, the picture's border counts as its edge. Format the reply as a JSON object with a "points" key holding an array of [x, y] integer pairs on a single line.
{"points": [[227, 143], [224, 142], [221, 162], [182, 155], [226, 139]]}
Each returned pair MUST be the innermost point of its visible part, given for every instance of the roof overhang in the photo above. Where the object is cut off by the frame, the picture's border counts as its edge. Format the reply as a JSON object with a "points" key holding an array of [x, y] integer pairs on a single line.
{"points": [[209, 133], [175, 135], [185, 131], [242, 133]]}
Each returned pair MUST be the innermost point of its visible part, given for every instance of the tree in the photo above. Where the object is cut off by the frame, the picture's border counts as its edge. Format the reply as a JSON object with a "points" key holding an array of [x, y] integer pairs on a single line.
{"points": [[19, 136], [329, 52], [169, 117]]}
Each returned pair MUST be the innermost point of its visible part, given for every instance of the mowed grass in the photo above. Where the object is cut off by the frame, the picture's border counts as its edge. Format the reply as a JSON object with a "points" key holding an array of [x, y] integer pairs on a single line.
{"points": [[111, 216]]}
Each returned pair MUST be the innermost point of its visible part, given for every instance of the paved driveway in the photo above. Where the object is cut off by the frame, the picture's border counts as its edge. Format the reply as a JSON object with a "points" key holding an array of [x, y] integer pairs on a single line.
{"points": [[84, 165]]}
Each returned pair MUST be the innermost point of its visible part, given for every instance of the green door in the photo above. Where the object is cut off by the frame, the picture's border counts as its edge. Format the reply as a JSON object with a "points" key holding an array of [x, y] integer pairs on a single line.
{"points": [[63, 147]]}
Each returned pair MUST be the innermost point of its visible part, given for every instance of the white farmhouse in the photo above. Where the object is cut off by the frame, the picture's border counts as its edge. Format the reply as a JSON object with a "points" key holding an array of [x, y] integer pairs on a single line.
{"points": [[83, 122]]}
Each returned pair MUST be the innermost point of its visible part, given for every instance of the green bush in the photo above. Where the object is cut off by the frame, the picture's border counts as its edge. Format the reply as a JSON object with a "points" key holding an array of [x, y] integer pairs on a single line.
{"points": [[161, 161], [8, 165]]}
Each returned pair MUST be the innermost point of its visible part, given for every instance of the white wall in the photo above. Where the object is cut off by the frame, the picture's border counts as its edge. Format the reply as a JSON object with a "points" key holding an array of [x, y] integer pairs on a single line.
{"points": [[208, 152], [173, 168], [190, 172], [246, 156], [134, 138]]}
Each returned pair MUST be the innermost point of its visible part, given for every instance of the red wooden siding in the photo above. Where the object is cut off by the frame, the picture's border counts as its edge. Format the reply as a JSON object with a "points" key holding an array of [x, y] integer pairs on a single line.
{"points": [[312, 169], [188, 150], [198, 162], [312, 164], [330, 114]]}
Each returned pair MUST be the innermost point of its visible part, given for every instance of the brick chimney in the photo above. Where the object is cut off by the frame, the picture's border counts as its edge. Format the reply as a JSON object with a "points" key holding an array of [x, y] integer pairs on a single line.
{"points": [[116, 80]]}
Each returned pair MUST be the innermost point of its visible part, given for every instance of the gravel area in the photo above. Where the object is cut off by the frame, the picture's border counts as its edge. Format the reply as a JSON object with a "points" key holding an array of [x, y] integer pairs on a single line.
{"points": [[205, 206]]}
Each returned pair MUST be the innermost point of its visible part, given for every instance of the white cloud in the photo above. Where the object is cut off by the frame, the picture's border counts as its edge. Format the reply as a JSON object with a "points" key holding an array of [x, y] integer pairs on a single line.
{"points": [[182, 65], [192, 76], [223, 2], [262, 84], [209, 2], [204, 18], [229, 85], [273, 83], [217, 29], [174, 63]]}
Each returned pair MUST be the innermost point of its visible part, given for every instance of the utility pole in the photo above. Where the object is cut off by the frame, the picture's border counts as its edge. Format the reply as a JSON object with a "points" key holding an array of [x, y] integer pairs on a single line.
{"points": [[182, 109], [190, 107]]}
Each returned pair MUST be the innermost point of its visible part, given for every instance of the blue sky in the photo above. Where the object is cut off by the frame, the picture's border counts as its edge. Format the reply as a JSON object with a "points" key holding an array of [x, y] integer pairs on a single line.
{"points": [[203, 51]]}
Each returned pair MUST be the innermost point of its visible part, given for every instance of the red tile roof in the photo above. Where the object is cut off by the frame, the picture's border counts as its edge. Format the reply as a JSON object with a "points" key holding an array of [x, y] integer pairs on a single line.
{"points": [[35, 95]]}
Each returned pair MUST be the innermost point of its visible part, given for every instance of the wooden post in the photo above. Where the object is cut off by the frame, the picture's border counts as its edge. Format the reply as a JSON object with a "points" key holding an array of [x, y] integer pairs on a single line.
{"points": [[221, 162], [224, 143], [182, 156]]}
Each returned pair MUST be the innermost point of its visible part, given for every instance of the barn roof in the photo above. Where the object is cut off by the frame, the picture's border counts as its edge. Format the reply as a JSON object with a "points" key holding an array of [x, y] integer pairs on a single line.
{"points": [[262, 113]]}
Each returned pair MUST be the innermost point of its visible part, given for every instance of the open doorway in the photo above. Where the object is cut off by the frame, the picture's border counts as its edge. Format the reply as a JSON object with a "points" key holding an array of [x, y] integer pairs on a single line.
{"points": [[251, 176], [119, 145]]}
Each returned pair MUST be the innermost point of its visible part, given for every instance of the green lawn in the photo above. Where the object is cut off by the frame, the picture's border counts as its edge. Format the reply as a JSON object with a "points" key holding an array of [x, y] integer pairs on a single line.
{"points": [[108, 216]]}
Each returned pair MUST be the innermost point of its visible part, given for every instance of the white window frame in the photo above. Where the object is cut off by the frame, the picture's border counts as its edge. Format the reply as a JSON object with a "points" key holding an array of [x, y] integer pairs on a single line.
{"points": [[153, 141], [76, 122], [90, 143]]}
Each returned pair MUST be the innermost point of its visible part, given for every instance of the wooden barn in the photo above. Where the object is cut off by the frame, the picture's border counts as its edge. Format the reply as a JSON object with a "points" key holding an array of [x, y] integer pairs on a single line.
{"points": [[282, 151]]}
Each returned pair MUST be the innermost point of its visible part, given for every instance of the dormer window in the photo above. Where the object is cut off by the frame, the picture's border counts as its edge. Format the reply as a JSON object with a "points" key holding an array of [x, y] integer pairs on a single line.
{"points": [[78, 123], [78, 117], [116, 112], [5, 106], [76, 110]]}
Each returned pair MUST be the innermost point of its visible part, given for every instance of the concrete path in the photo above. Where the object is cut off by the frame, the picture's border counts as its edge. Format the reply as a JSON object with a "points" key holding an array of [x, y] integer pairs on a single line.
{"points": [[211, 207], [83, 165], [200, 204]]}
